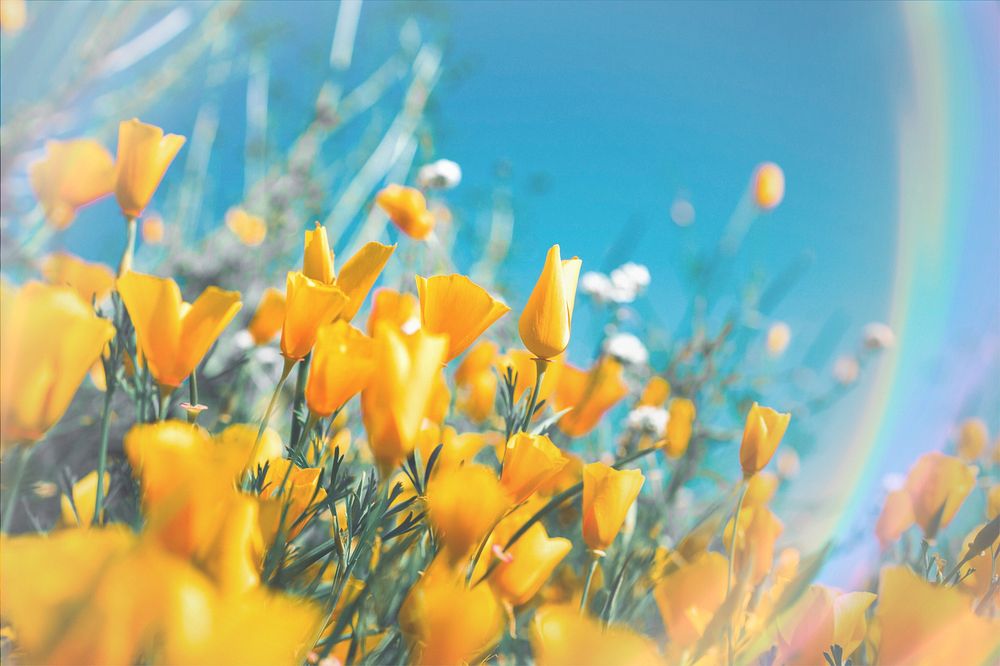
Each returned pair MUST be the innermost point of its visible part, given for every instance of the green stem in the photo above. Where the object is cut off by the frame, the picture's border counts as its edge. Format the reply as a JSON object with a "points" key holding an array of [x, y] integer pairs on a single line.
{"points": [[125, 264], [287, 370], [732, 559], [165, 392], [102, 454], [300, 396], [540, 366], [595, 558], [192, 415], [23, 453]]}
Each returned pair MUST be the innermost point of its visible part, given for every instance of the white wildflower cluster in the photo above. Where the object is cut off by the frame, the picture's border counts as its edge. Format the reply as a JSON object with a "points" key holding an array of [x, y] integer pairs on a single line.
{"points": [[649, 420], [623, 285], [878, 336], [627, 349], [439, 175]]}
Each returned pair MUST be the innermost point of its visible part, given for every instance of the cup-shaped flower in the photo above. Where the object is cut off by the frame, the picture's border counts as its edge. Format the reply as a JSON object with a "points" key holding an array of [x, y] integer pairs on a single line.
{"points": [[398, 309], [689, 596], [768, 185], [608, 494], [822, 617], [269, 317], [342, 366], [173, 335], [308, 305], [144, 153], [357, 276], [77, 509], [756, 533], [455, 306], [49, 339], [407, 208], [249, 229], [528, 462], [896, 517], [397, 398], [937, 485], [463, 505], [477, 382], [547, 318], [655, 393], [679, 426], [589, 394], [71, 175], [762, 433], [92, 281], [561, 636], [531, 561]]}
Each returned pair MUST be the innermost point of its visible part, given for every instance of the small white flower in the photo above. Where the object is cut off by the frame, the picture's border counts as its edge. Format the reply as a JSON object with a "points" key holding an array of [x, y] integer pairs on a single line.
{"points": [[628, 281], [439, 175], [627, 348], [637, 274], [878, 336], [648, 419], [596, 285], [243, 340], [682, 212], [846, 370], [778, 337]]}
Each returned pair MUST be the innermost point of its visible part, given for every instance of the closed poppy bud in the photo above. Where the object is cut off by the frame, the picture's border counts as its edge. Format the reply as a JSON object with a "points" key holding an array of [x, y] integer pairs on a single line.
{"points": [[463, 505], [477, 381], [768, 185], [756, 533], [153, 230], [679, 426], [269, 317], [529, 462], [938, 484], [655, 393], [547, 317], [896, 518], [407, 208], [92, 281], [972, 439], [308, 305], [144, 153], [71, 175], [49, 339], [588, 394], [79, 511], [455, 306], [317, 262], [689, 596], [399, 310], [821, 618], [174, 336], [761, 435], [341, 366], [250, 229], [531, 561], [608, 494]]}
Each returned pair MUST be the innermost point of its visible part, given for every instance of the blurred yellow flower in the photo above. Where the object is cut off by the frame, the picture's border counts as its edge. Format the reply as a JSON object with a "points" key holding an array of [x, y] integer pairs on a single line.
{"points": [[400, 310], [756, 533], [760, 489], [234, 556], [238, 440], [608, 494], [407, 208], [679, 426], [153, 230], [689, 596], [456, 448], [973, 437], [528, 462], [589, 394], [761, 435], [938, 484], [655, 393], [308, 306], [173, 335], [269, 317], [250, 229], [477, 381], [768, 185], [71, 175], [531, 561], [463, 505], [560, 636], [49, 339], [342, 366], [455, 306], [144, 153], [92, 281], [13, 15], [300, 491], [79, 510], [547, 317], [822, 617], [896, 517]]}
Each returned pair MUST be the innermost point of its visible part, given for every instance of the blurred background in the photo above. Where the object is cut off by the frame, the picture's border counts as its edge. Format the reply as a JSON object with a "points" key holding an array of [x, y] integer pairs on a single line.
{"points": [[623, 131]]}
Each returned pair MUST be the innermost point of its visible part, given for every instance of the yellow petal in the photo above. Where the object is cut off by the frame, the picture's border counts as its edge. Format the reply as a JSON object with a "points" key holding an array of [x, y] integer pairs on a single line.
{"points": [[144, 153], [455, 306], [308, 305], [360, 273], [269, 317], [608, 494], [547, 317], [341, 367], [317, 263]]}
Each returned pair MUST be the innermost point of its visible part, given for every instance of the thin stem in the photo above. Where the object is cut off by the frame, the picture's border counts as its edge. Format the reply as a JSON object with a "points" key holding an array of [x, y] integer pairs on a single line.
{"points": [[732, 559], [541, 365], [125, 265], [595, 558], [102, 454], [289, 364], [165, 392], [300, 395], [192, 415], [23, 453]]}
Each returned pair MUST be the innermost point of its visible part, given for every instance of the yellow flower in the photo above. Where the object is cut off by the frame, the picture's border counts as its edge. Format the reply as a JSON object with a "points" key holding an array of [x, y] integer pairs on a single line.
{"points": [[531, 561], [896, 517], [153, 230], [655, 393], [308, 305], [269, 317], [92, 281], [250, 229], [560, 636], [317, 260], [49, 339], [590, 394], [356, 277], [456, 449], [300, 492], [547, 317], [938, 483], [761, 435], [760, 489], [13, 15], [608, 494], [529, 462], [477, 382], [239, 439], [821, 618], [972, 439], [71, 175], [79, 511], [756, 534], [144, 153], [407, 209], [679, 426], [234, 557], [923, 624], [400, 310], [174, 336], [394, 404], [440, 400], [463, 505], [455, 306], [768, 185], [689, 596], [341, 367]]}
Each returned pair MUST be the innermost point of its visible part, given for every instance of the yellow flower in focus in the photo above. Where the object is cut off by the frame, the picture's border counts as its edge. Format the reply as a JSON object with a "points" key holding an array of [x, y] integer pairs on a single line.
{"points": [[923, 624], [13, 15], [308, 306], [399, 310], [689, 596], [821, 618], [144, 153], [269, 317], [477, 382], [49, 339], [250, 229], [455, 306], [761, 435], [756, 533], [655, 393], [528, 462], [394, 404], [608, 494], [463, 505], [938, 484], [173, 335], [317, 259], [896, 517], [79, 511], [972, 439], [560, 636], [548, 315], [92, 281], [153, 230], [679, 427], [357, 276], [342, 366], [590, 394], [532, 559], [407, 208], [71, 175], [768, 185]]}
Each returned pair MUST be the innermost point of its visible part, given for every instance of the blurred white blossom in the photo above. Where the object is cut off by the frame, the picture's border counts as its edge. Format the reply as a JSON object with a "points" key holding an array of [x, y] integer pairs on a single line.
{"points": [[623, 285], [439, 175], [682, 212], [846, 370], [648, 419], [878, 336], [627, 348]]}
